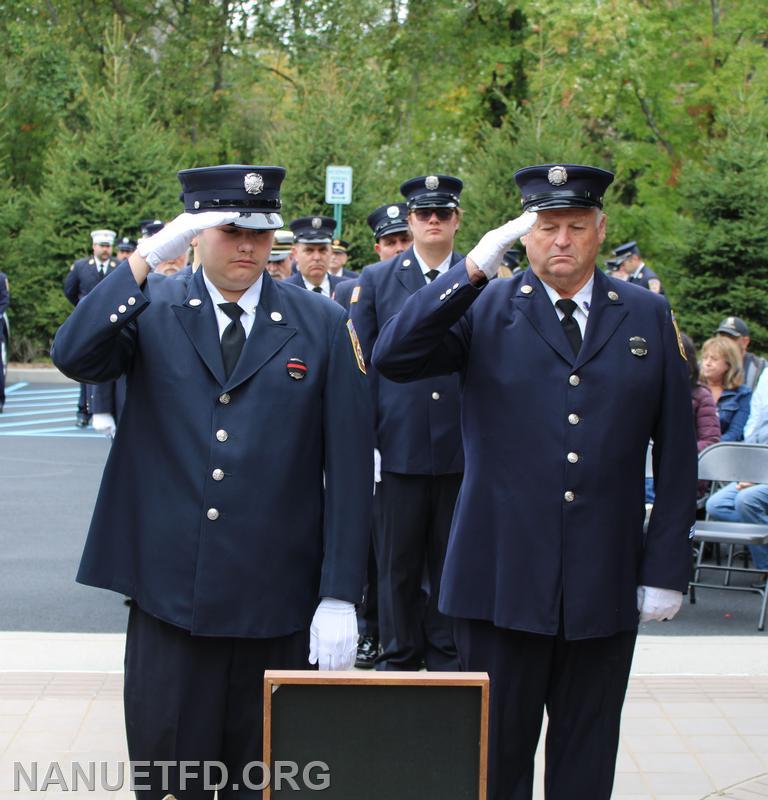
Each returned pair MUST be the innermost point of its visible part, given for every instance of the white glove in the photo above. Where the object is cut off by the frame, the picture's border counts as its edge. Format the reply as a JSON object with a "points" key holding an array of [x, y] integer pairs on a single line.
{"points": [[104, 423], [658, 604], [333, 635], [376, 465], [175, 238], [489, 251]]}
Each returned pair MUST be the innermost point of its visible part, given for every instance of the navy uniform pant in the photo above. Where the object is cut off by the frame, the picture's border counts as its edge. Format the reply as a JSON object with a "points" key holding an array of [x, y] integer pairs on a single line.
{"points": [[410, 541], [581, 684], [368, 611], [198, 699]]}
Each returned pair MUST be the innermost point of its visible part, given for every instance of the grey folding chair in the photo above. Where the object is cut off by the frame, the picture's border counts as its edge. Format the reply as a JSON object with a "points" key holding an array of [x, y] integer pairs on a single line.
{"points": [[726, 462]]}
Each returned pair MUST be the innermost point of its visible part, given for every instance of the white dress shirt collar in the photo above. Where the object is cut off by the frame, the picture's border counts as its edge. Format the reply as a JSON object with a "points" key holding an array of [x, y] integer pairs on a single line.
{"points": [[325, 285], [248, 301], [582, 298], [442, 267]]}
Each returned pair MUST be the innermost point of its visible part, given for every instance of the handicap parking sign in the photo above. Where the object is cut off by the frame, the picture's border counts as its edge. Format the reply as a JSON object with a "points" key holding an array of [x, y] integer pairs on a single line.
{"points": [[338, 185]]}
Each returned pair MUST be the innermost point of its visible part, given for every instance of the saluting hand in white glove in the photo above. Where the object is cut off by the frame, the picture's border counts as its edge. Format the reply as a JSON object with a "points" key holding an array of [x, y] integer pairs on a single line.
{"points": [[488, 253], [174, 239], [333, 635]]}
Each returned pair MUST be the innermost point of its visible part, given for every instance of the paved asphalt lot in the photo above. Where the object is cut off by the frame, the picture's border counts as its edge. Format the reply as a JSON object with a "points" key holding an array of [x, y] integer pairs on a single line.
{"points": [[49, 476]]}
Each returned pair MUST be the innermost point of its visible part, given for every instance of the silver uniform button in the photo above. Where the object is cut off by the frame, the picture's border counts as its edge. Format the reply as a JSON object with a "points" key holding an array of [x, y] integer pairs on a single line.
{"points": [[613, 296], [573, 419], [218, 474], [212, 513], [573, 457], [113, 317], [448, 290], [527, 289], [222, 435], [224, 398], [131, 301], [195, 301], [442, 296], [455, 285], [569, 497], [122, 309], [574, 380], [435, 395], [407, 262], [276, 316]]}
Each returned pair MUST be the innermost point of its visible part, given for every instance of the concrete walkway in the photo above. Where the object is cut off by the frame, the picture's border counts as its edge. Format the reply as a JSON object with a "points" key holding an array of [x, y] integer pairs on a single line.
{"points": [[695, 724]]}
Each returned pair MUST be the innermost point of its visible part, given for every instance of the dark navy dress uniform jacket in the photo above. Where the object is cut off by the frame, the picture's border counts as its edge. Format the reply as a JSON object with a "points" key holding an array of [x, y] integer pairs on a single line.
{"points": [[83, 277], [417, 424], [278, 539], [520, 547]]}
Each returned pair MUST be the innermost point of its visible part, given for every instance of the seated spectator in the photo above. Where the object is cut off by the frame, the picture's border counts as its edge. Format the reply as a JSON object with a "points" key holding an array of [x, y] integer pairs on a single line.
{"points": [[721, 371], [705, 415], [743, 502], [752, 365]]}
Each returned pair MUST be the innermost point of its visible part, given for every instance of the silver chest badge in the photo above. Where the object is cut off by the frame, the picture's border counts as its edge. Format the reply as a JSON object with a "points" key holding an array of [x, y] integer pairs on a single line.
{"points": [[431, 182], [253, 183], [638, 346], [557, 176]]}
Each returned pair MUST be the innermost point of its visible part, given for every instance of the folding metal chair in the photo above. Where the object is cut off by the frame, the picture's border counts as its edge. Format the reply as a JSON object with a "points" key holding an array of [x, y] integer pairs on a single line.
{"points": [[726, 462]]}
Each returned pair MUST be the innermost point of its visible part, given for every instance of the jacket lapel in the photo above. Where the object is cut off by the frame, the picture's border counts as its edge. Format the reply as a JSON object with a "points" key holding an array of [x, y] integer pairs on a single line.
{"points": [[198, 318], [605, 315], [531, 299], [269, 334], [409, 272]]}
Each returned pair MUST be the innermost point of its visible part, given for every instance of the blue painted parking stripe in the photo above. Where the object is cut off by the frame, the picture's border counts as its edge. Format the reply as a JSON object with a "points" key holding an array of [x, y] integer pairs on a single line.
{"points": [[15, 387], [34, 422], [41, 414]]}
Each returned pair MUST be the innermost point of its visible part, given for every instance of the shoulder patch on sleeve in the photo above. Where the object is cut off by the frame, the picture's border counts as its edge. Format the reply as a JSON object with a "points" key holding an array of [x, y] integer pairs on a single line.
{"points": [[679, 338], [356, 346], [654, 284], [355, 295]]}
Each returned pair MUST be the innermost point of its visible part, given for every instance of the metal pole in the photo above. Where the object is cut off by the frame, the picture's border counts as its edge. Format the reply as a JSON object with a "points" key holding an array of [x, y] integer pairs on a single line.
{"points": [[337, 216]]}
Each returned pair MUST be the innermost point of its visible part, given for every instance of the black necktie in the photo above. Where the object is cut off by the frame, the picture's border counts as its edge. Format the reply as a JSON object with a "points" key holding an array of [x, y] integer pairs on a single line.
{"points": [[432, 274], [233, 338], [570, 326], [317, 289]]}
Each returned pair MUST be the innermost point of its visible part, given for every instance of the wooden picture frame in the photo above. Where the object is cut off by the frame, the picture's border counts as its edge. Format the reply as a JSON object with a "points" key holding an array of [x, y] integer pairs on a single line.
{"points": [[473, 704]]}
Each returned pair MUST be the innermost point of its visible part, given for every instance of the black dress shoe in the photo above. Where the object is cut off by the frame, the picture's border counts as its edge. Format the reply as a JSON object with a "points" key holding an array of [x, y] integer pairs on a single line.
{"points": [[367, 650]]}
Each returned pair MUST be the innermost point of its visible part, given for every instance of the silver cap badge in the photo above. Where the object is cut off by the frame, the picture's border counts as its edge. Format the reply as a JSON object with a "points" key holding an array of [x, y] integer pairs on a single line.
{"points": [[393, 211], [317, 223], [557, 176], [254, 183], [431, 182]]}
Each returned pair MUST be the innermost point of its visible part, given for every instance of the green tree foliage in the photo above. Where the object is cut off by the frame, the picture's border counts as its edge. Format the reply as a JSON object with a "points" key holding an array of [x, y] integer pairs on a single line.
{"points": [[113, 172], [658, 92], [723, 267]]}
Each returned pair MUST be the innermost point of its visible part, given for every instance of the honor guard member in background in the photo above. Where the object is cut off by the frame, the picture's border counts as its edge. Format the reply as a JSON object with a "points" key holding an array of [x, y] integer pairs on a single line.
{"points": [[547, 573], [149, 227], [279, 264], [197, 518], [418, 438], [639, 272], [83, 275], [125, 246], [510, 263], [392, 236], [339, 258], [390, 229], [312, 238], [5, 299], [753, 365]]}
